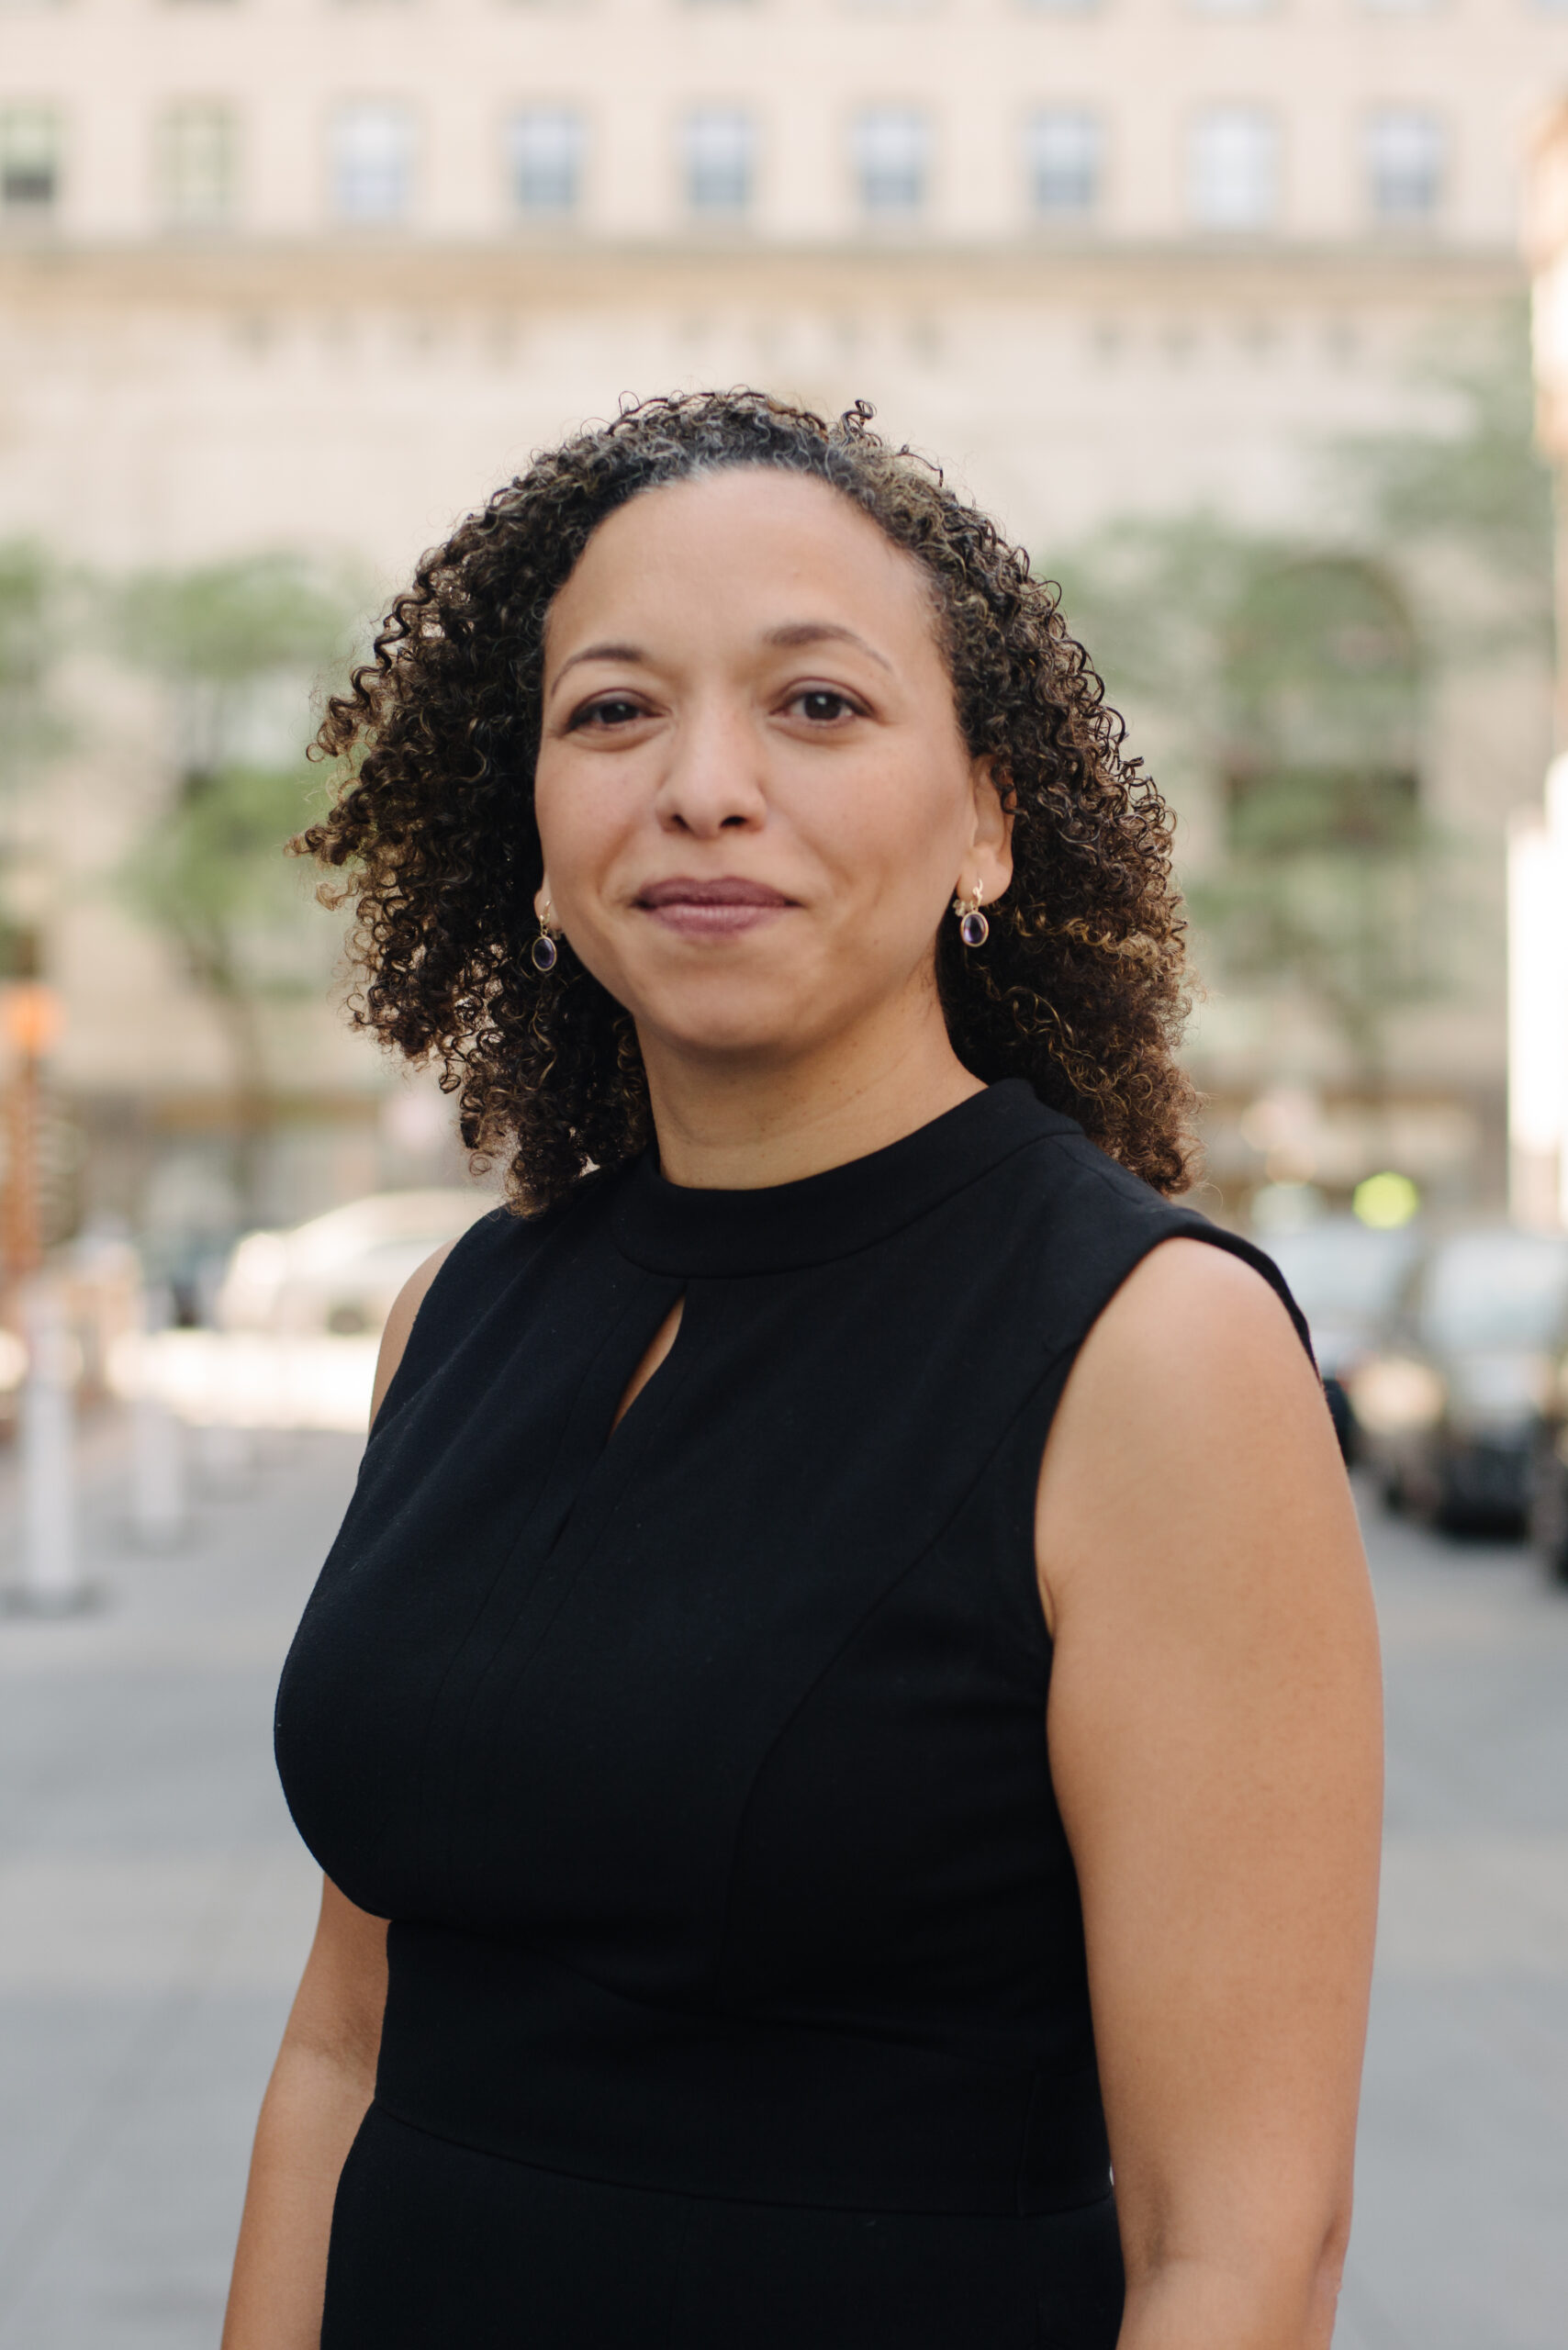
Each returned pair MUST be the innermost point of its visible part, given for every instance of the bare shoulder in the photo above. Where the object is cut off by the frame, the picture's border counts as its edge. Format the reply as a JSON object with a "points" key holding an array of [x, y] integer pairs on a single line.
{"points": [[1189, 1293], [1193, 1421], [400, 1321], [1213, 1727]]}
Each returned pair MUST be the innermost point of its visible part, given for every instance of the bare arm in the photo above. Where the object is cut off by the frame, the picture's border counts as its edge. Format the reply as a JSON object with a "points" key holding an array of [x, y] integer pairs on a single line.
{"points": [[315, 2102], [325, 2072], [1216, 1740], [399, 1323]]}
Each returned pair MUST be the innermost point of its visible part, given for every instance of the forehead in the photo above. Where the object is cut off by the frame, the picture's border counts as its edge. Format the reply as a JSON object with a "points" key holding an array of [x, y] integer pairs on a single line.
{"points": [[744, 547]]}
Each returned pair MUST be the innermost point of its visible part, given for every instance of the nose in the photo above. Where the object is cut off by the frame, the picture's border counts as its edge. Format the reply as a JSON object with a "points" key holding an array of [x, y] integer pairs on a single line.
{"points": [[714, 780]]}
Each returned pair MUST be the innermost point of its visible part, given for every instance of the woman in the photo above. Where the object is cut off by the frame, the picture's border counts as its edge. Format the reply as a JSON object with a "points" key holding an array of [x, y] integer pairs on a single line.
{"points": [[849, 1667]]}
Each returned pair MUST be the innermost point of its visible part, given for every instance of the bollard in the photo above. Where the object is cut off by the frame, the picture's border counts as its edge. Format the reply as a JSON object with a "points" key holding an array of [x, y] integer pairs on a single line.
{"points": [[157, 1447], [50, 1582]]}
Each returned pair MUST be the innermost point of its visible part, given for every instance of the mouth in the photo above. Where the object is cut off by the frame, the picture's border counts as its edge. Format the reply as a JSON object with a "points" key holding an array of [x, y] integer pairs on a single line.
{"points": [[717, 909]]}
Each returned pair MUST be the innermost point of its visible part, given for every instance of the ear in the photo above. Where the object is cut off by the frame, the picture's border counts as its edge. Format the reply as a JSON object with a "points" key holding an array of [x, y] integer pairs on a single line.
{"points": [[542, 906], [990, 856]]}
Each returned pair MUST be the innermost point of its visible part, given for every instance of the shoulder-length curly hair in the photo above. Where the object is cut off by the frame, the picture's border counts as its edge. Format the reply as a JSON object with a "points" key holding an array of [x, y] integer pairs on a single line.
{"points": [[1080, 987]]}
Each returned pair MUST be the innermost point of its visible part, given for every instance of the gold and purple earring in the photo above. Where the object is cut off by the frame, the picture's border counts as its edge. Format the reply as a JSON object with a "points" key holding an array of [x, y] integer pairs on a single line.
{"points": [[543, 954], [973, 927]]}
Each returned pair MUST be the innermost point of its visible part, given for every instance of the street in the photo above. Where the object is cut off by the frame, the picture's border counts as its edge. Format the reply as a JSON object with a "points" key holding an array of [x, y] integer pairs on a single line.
{"points": [[155, 1908]]}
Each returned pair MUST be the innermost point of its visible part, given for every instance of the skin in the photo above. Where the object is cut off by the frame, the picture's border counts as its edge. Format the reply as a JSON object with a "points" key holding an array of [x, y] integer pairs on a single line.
{"points": [[743, 678]]}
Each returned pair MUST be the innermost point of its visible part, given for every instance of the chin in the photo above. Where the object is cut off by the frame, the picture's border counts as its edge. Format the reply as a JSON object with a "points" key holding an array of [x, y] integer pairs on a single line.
{"points": [[729, 1021], [733, 1040]]}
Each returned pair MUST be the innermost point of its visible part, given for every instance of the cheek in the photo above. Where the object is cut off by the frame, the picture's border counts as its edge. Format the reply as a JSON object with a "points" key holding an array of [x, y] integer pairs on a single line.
{"points": [[546, 810], [900, 833], [578, 830]]}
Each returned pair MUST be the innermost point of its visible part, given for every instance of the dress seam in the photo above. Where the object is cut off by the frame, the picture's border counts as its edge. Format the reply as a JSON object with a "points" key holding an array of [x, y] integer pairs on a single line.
{"points": [[747, 2202], [427, 1829], [1193, 1224], [948, 2052], [854, 1632]]}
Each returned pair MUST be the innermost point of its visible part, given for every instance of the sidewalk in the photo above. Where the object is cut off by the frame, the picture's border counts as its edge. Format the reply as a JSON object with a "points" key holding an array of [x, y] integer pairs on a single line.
{"points": [[1460, 2239], [155, 1908]]}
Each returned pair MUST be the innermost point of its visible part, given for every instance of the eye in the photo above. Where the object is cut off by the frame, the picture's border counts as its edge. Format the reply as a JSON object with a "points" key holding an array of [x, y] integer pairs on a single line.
{"points": [[609, 710], [823, 705]]}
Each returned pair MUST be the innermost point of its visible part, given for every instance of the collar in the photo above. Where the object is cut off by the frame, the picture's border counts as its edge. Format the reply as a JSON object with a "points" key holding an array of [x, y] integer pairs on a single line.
{"points": [[669, 1229]]}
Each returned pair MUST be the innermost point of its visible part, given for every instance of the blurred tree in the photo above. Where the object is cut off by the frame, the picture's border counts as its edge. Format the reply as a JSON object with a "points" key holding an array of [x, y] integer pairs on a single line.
{"points": [[238, 644], [31, 730], [1291, 681], [1475, 485], [1327, 855], [26, 653], [1287, 684]]}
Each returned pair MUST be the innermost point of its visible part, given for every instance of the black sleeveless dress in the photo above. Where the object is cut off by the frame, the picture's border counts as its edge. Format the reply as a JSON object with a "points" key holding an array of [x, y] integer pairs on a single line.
{"points": [[737, 1989]]}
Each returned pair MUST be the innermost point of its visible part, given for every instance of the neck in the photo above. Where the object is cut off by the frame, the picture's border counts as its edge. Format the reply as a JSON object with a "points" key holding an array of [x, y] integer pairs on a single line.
{"points": [[741, 1125]]}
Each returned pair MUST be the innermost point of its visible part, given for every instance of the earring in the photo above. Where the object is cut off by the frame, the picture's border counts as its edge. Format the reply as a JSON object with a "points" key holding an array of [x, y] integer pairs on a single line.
{"points": [[973, 927], [543, 954]]}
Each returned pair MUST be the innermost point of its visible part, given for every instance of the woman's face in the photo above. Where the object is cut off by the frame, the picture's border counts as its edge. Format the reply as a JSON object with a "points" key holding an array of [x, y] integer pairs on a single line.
{"points": [[753, 796]]}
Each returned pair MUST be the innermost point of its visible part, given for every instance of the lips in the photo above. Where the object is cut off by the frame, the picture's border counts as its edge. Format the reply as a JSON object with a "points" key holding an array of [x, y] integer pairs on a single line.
{"points": [[726, 892], [721, 908]]}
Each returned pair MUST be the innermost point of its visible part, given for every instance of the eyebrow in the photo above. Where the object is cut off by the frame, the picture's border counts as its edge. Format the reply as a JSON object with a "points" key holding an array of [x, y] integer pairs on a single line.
{"points": [[795, 634], [602, 653], [790, 636]]}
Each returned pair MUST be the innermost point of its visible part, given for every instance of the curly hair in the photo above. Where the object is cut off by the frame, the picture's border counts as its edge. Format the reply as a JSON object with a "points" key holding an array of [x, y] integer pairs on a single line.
{"points": [[1079, 989]]}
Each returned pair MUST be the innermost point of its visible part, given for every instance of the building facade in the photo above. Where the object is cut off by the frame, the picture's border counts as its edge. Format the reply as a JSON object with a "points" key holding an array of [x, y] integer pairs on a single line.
{"points": [[316, 275]]}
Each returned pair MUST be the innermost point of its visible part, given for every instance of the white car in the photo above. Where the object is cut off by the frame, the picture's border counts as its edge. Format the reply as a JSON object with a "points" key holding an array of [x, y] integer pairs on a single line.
{"points": [[338, 1274]]}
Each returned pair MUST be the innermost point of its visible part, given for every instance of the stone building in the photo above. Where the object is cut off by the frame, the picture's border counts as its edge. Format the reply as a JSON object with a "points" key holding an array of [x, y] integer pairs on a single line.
{"points": [[316, 274]]}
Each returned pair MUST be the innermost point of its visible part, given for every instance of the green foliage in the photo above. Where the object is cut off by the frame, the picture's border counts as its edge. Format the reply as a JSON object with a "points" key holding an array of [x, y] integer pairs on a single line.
{"points": [[31, 732], [213, 868], [24, 637], [234, 642], [226, 624], [238, 644], [1289, 679], [1326, 849], [1321, 676], [1150, 597], [1479, 491]]}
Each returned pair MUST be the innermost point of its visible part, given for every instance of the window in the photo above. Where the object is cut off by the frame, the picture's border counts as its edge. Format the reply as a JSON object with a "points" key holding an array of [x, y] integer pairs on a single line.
{"points": [[1062, 146], [1234, 168], [373, 161], [1405, 154], [718, 148], [544, 151], [30, 161], [891, 149], [197, 158]]}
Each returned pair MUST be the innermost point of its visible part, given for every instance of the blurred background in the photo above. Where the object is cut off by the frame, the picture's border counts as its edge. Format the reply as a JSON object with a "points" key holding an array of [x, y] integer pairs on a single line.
{"points": [[1250, 317]]}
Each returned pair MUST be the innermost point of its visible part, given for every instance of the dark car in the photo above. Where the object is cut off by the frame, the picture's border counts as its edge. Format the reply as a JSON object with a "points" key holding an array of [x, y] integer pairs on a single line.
{"points": [[1455, 1406], [1549, 1498], [1346, 1277]]}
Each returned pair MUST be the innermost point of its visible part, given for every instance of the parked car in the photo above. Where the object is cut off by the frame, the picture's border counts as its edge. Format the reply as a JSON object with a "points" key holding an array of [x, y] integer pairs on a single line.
{"points": [[1456, 1404], [338, 1274], [1548, 1495], [1346, 1278]]}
